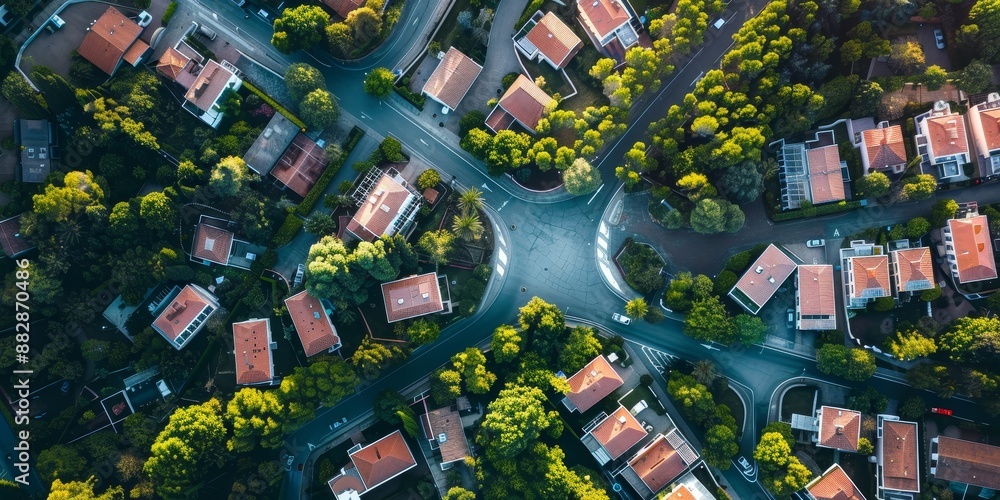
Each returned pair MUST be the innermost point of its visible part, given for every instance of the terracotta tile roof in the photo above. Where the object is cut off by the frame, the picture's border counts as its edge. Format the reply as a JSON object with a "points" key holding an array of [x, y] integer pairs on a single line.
{"points": [[346, 482], [499, 119], [383, 205], [252, 349], [601, 17], [592, 384], [209, 85], [946, 135], [312, 323], [383, 460], [839, 428], [452, 78], [968, 462], [344, 7], [619, 432], [135, 52], [775, 267], [172, 63], [899, 454], [525, 101], [212, 244], [826, 180], [11, 239], [883, 147], [680, 493], [301, 165], [555, 40], [185, 315], [411, 297], [988, 129], [914, 268], [871, 272], [660, 462], [816, 298], [431, 195], [447, 422], [834, 484], [109, 39], [973, 249]]}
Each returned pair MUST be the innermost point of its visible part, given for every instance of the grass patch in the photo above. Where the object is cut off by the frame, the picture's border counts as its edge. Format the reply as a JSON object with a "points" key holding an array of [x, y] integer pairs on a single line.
{"points": [[168, 14], [797, 400], [642, 393]]}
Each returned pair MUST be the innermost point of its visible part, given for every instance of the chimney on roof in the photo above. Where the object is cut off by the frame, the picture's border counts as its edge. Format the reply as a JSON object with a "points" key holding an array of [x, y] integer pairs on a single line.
{"points": [[621, 420], [840, 429]]}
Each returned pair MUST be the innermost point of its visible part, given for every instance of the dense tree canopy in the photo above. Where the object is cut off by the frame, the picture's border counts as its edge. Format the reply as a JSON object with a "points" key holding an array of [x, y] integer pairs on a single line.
{"points": [[301, 79], [379, 82], [515, 420], [299, 28], [851, 363], [192, 444], [255, 416]]}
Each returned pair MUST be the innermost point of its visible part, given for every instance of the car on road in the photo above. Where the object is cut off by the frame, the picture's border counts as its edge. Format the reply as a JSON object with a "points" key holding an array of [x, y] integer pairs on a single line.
{"points": [[942, 411], [621, 318], [815, 243], [64, 387], [790, 313], [939, 38], [745, 464]]}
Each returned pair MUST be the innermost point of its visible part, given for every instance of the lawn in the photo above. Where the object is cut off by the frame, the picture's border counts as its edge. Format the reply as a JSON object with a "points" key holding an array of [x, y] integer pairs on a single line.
{"points": [[554, 80], [797, 400], [735, 404]]}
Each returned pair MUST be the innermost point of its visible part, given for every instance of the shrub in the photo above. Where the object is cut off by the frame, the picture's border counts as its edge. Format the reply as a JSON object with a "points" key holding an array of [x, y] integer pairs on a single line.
{"points": [[509, 80], [168, 14], [472, 119], [392, 150], [883, 304], [428, 179], [316, 192], [293, 223], [831, 208], [274, 104]]}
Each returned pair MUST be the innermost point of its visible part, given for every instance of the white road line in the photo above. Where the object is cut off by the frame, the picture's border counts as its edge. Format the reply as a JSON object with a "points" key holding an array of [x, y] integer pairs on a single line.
{"points": [[697, 78], [601, 242], [500, 270], [610, 278], [424, 142], [503, 257], [596, 193], [604, 230]]}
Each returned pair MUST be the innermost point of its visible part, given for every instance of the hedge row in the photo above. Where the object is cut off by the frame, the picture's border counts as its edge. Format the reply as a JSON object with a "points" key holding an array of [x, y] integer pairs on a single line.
{"points": [[534, 6], [169, 13], [832, 208], [316, 192], [274, 104], [293, 223], [417, 100]]}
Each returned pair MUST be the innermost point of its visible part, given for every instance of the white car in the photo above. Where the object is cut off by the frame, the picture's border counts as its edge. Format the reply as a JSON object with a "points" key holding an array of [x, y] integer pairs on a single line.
{"points": [[745, 464], [144, 19], [815, 243], [939, 39], [621, 318]]}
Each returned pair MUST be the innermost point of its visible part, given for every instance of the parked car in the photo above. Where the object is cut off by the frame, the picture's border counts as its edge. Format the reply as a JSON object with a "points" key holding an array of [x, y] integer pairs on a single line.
{"points": [[745, 464], [815, 243], [942, 411], [263, 13], [791, 318], [621, 318], [65, 387], [144, 19], [207, 32], [939, 38]]}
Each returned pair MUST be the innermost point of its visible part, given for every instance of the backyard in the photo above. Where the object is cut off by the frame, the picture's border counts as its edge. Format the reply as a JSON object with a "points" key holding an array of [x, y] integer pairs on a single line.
{"points": [[798, 400]]}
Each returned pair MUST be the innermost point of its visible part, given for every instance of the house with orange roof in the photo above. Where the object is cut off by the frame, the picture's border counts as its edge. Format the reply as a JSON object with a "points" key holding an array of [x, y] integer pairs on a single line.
{"points": [[811, 171], [912, 270], [591, 384], [839, 429], [214, 243], [547, 38], [984, 125], [865, 269], [942, 142], [610, 25], [252, 348], [815, 300], [387, 205], [969, 248], [760, 282], [12, 240], [962, 462], [372, 466], [659, 463], [834, 484], [412, 297], [610, 437], [344, 7], [112, 39], [452, 79], [311, 318], [445, 433], [205, 83], [882, 149], [524, 103], [897, 452], [183, 313]]}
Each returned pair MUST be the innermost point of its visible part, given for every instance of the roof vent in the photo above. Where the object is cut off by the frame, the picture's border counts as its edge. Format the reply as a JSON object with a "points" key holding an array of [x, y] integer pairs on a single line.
{"points": [[316, 314], [426, 296], [593, 373], [770, 279], [442, 437], [385, 208], [372, 200], [621, 420], [596, 2], [759, 269], [400, 301], [209, 244]]}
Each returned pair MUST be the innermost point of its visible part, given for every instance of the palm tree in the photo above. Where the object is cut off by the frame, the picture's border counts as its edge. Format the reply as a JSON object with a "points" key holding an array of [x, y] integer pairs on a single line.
{"points": [[467, 226], [471, 201], [68, 232], [705, 372], [769, 168]]}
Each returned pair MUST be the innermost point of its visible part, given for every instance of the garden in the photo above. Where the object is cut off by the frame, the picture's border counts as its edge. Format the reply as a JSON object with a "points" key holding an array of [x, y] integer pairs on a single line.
{"points": [[467, 28], [641, 266]]}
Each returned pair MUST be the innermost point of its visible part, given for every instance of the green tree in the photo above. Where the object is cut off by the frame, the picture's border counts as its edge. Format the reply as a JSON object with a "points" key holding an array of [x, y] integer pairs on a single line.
{"points": [[976, 77], [875, 184], [365, 23], [299, 28], [865, 446], [325, 381], [428, 179], [868, 402], [423, 331], [371, 357], [60, 461], [470, 201], [78, 194], [705, 372], [437, 244], [301, 79], [467, 226], [446, 385], [506, 344], [795, 477], [972, 340], [637, 308], [157, 211], [917, 227], [581, 347], [95, 350], [471, 363], [906, 57], [255, 416], [379, 82], [913, 408], [543, 324], [749, 329], [935, 77], [712, 216], [192, 444], [695, 400], [985, 15], [920, 187], [709, 320], [139, 431], [459, 493], [743, 182], [581, 178], [82, 490], [910, 345], [229, 176], [319, 109], [854, 364], [16, 89], [515, 420], [772, 452], [387, 405], [942, 211], [320, 224], [331, 272], [720, 447]]}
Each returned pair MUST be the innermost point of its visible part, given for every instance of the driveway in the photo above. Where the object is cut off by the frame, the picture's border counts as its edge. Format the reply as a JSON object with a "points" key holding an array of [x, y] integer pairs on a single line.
{"points": [[932, 54]]}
